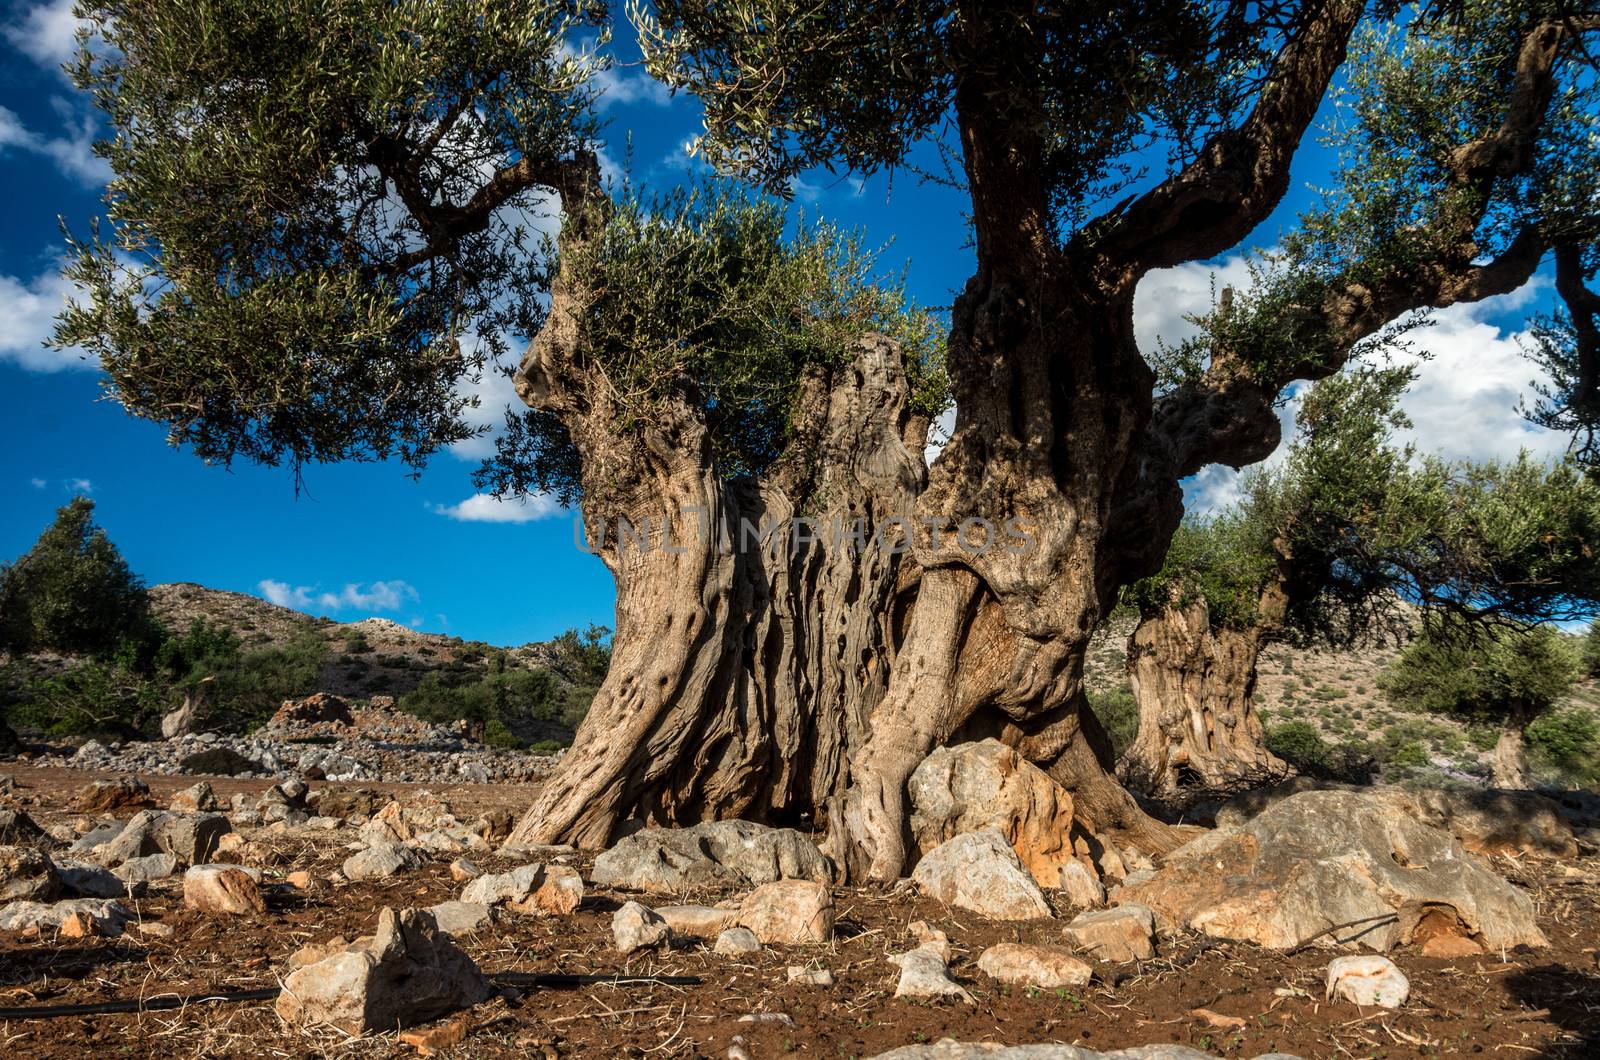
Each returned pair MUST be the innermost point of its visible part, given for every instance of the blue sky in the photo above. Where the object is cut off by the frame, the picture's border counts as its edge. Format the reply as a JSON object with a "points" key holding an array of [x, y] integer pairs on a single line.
{"points": [[363, 540]]}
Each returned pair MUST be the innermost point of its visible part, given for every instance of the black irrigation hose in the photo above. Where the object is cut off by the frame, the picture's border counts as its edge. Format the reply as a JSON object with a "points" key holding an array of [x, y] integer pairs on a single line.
{"points": [[159, 1002]]}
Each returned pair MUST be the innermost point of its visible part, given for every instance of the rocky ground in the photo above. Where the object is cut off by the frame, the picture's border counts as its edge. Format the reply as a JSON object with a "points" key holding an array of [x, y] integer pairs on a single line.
{"points": [[313, 864]]}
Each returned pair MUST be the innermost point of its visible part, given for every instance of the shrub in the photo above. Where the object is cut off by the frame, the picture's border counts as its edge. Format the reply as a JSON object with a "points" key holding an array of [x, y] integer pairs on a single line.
{"points": [[1567, 741], [355, 642], [1298, 743], [1118, 714], [1503, 676], [1411, 753], [1591, 649]]}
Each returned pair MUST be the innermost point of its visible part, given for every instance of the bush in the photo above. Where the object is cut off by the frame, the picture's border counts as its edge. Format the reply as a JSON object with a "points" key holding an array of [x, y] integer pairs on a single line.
{"points": [[1567, 741], [495, 734], [73, 592], [1591, 649], [219, 762], [1118, 714], [1505, 675], [1298, 743], [355, 642]]}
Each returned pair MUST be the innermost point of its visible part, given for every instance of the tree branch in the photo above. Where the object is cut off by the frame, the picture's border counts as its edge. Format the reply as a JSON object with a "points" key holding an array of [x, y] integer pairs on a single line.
{"points": [[1241, 173]]}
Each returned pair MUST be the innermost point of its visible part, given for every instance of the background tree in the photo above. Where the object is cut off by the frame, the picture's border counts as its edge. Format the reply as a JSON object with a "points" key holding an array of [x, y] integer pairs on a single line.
{"points": [[1307, 555], [1510, 677], [73, 592], [1465, 163]]}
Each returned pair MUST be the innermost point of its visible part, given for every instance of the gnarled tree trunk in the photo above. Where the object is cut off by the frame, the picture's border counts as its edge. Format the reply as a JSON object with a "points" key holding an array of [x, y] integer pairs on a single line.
{"points": [[755, 619], [1195, 687]]}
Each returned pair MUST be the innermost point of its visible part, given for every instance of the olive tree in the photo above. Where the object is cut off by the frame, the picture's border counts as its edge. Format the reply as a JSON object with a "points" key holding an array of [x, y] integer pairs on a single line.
{"points": [[327, 217], [1468, 157]]}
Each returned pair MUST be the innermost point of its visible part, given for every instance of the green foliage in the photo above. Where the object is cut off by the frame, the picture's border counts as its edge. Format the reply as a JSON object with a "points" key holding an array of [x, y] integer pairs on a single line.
{"points": [[1591, 649], [1567, 741], [709, 286], [1298, 743], [91, 699], [322, 223], [355, 642], [1118, 714], [496, 735], [512, 702], [73, 592], [1504, 675]]}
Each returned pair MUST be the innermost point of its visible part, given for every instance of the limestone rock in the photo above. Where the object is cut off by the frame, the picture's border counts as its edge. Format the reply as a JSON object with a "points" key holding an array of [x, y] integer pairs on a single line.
{"points": [[86, 880], [18, 829], [559, 894], [637, 927], [1367, 979], [318, 708], [459, 918], [103, 796], [197, 798], [1126, 933], [923, 973], [27, 873], [1081, 887], [109, 917], [979, 871], [697, 921], [1324, 858], [191, 837], [462, 870], [789, 912], [410, 972], [735, 941], [710, 854], [810, 976], [223, 890], [380, 862], [1047, 967], [535, 889], [986, 784]]}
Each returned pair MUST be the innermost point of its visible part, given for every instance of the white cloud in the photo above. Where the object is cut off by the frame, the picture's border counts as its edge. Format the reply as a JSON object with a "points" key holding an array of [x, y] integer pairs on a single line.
{"points": [[46, 33], [488, 508], [1166, 296], [494, 391], [72, 154], [629, 87], [379, 596], [79, 485], [27, 316], [38, 483]]}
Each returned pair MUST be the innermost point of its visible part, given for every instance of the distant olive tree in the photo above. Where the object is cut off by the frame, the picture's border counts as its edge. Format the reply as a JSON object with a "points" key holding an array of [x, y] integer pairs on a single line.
{"points": [[1509, 676]]}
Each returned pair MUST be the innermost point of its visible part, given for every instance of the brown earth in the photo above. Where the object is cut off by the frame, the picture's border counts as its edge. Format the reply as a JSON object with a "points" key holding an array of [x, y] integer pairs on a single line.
{"points": [[1542, 1003]]}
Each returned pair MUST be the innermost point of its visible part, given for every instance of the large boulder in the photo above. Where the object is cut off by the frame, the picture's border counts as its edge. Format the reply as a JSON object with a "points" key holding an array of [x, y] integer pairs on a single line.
{"points": [[1322, 859], [104, 796], [714, 854], [969, 786], [979, 871], [223, 890], [1492, 821], [1126, 933], [1046, 967], [28, 874], [409, 972]]}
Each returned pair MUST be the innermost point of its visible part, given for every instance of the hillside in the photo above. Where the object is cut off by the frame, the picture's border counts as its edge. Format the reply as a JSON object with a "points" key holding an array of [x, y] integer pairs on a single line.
{"points": [[371, 657]]}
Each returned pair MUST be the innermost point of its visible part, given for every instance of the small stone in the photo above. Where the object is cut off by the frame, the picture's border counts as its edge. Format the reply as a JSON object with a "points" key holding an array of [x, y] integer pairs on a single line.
{"points": [[736, 941], [928, 935], [789, 912], [108, 915], [92, 881], [104, 796], [156, 930], [560, 893], [1125, 933], [312, 952], [27, 873], [381, 862], [462, 870], [222, 890], [1047, 967], [810, 976], [637, 927], [78, 926], [196, 798], [924, 973], [1367, 979], [300, 880], [147, 869]]}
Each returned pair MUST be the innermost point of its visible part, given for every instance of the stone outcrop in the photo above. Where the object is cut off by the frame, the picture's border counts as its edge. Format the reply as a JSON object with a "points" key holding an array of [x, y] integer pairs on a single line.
{"points": [[408, 973], [986, 784], [978, 871], [1322, 859], [713, 854]]}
